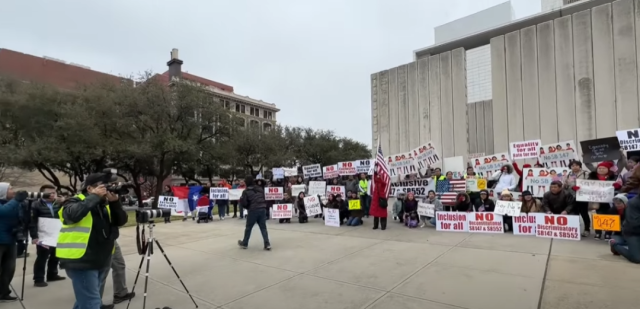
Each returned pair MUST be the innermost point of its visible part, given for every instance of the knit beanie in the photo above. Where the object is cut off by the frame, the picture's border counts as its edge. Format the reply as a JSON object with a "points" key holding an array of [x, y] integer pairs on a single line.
{"points": [[607, 164]]}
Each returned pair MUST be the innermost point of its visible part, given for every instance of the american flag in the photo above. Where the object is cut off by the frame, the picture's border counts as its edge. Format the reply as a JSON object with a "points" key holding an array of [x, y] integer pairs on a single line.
{"points": [[383, 171], [452, 187]]}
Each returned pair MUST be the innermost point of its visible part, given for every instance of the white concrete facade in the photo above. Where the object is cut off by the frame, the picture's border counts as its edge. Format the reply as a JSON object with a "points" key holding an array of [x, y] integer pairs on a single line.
{"points": [[492, 17]]}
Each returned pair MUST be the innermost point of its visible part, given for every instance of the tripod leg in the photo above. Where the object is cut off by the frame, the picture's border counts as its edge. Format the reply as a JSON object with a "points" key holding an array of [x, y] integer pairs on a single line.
{"points": [[133, 288], [146, 275], [24, 267], [16, 292], [175, 272]]}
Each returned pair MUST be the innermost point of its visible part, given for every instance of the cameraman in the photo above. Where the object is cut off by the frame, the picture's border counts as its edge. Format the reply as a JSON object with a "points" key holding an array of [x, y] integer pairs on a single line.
{"points": [[10, 225], [46, 255], [90, 222], [252, 199]]}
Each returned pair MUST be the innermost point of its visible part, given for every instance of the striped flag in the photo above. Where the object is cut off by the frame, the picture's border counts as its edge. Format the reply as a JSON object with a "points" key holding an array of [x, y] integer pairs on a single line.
{"points": [[453, 187], [383, 171]]}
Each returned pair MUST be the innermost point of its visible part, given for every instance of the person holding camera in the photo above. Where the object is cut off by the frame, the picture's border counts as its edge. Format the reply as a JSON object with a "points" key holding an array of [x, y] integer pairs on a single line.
{"points": [[90, 222], [10, 232], [46, 259]]}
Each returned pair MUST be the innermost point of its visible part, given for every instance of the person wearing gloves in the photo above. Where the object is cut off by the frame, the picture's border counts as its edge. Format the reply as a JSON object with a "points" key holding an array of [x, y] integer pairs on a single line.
{"points": [[603, 173], [10, 222], [569, 182], [484, 203], [505, 179], [433, 199], [557, 201], [397, 207]]}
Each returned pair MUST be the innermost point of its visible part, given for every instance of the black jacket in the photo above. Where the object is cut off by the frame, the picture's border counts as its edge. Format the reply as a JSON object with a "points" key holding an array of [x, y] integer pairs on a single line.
{"points": [[463, 205], [631, 223], [489, 205], [253, 198], [557, 203], [39, 209], [104, 232]]}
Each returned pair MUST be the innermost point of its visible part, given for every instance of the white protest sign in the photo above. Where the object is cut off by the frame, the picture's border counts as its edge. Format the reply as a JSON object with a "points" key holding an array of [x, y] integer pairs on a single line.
{"points": [[336, 190], [278, 173], [472, 185], [346, 168], [595, 191], [170, 202], [490, 164], [485, 222], [330, 171], [524, 224], [290, 172], [219, 193], [629, 139], [273, 193], [235, 194], [558, 226], [296, 189], [452, 221], [558, 154], [425, 156], [312, 206], [282, 211], [48, 231], [310, 171], [426, 210], [525, 150], [332, 217], [317, 187], [508, 208], [363, 166]]}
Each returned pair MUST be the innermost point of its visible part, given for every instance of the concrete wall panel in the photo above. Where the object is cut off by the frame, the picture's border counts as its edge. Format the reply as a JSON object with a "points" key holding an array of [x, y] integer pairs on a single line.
{"points": [[530, 102], [547, 83], [374, 112], [446, 105], [459, 84], [624, 48], [514, 87], [383, 111], [423, 101], [434, 102], [473, 127], [480, 128], [413, 110], [489, 129], [403, 115], [564, 79], [583, 73], [499, 95], [394, 112], [603, 70]]}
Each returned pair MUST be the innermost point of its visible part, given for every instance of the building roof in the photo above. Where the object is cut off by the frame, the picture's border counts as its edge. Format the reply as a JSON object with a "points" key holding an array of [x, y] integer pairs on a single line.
{"points": [[201, 80], [48, 71]]}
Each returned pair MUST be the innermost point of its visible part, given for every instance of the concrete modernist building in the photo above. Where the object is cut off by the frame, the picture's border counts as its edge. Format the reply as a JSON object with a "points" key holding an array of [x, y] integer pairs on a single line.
{"points": [[548, 5], [486, 19], [552, 73]]}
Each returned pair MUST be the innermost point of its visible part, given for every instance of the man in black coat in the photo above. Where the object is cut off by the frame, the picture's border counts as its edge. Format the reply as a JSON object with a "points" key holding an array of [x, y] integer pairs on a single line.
{"points": [[253, 200]]}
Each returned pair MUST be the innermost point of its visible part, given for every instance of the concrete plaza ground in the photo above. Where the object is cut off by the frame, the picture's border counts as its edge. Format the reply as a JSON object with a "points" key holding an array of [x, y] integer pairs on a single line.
{"points": [[313, 266]]}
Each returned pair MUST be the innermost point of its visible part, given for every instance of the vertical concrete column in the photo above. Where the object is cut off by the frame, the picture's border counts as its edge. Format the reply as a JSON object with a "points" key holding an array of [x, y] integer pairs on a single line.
{"points": [[413, 111], [624, 49], [603, 70], [434, 102], [565, 80], [583, 72], [489, 131], [480, 126], [394, 113], [374, 113], [459, 87], [446, 105], [500, 125], [473, 129], [383, 111], [547, 83], [514, 87], [423, 101], [530, 102], [403, 116]]}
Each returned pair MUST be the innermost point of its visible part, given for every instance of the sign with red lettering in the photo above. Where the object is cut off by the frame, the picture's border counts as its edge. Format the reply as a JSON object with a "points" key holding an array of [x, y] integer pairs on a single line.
{"points": [[346, 168], [335, 190], [330, 171], [273, 193], [452, 221], [282, 211], [485, 222], [524, 224], [312, 206], [526, 149], [558, 226]]}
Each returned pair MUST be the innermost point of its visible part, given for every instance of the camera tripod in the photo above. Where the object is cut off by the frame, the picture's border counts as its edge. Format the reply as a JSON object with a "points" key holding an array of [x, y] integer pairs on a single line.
{"points": [[145, 249]]}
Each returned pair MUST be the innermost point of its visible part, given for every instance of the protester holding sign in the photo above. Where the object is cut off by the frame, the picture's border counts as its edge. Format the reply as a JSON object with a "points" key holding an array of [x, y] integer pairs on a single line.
{"points": [[355, 209], [603, 173], [557, 201], [505, 179], [530, 204], [463, 202], [286, 200], [410, 208], [302, 211], [518, 171], [484, 203], [570, 184], [433, 199]]}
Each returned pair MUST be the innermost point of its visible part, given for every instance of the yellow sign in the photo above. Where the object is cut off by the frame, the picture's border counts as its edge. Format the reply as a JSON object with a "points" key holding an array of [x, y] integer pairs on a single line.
{"points": [[482, 184], [354, 205], [606, 222]]}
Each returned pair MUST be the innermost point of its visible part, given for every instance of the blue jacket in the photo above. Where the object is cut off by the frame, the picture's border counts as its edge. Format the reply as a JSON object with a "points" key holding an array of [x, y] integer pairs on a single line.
{"points": [[9, 221]]}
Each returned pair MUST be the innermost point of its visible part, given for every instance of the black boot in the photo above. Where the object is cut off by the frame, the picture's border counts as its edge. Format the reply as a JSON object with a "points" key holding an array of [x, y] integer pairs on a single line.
{"points": [[383, 223], [376, 221]]}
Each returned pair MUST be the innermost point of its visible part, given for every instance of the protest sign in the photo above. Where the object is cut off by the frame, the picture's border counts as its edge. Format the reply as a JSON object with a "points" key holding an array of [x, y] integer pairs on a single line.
{"points": [[525, 150], [363, 166], [273, 193], [452, 221], [601, 149], [606, 222], [332, 217], [312, 205], [476, 184], [557, 155], [472, 156], [508, 208], [336, 190], [48, 231], [354, 205], [310, 171], [420, 187], [235, 194], [170, 202], [485, 222], [346, 168], [426, 210], [401, 164], [524, 224], [278, 173], [219, 193], [290, 172], [425, 156], [296, 189], [317, 187], [282, 211], [558, 226], [488, 165], [629, 139], [595, 191], [330, 171]]}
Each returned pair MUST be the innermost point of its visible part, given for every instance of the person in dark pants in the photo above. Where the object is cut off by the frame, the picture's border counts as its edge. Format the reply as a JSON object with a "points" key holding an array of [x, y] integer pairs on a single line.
{"points": [[21, 248], [252, 199], [10, 221], [46, 260]]}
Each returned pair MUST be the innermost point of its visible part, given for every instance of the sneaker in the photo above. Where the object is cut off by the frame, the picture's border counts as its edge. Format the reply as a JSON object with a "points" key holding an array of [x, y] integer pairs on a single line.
{"points": [[7, 298], [56, 278], [607, 237], [598, 236], [585, 234], [395, 218], [21, 256], [222, 218], [40, 284], [184, 219], [267, 247], [241, 245], [119, 299], [422, 225]]}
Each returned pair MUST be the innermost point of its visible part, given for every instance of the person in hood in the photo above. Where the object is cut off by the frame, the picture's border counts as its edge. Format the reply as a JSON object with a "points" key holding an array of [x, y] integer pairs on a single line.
{"points": [[557, 201], [397, 207], [505, 179], [530, 204], [603, 173], [10, 217], [463, 203], [628, 244], [620, 202], [252, 199], [484, 203], [569, 182], [433, 200]]}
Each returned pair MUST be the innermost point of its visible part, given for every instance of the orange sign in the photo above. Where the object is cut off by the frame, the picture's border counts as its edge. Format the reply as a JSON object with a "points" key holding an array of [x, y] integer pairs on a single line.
{"points": [[606, 222]]}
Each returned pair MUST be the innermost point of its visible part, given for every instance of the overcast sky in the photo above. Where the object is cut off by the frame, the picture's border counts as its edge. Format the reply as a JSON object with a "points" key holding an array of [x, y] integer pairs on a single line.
{"points": [[312, 58]]}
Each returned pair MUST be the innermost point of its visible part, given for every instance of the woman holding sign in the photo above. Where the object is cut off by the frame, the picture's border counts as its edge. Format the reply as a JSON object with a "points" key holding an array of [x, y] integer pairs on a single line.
{"points": [[604, 173]]}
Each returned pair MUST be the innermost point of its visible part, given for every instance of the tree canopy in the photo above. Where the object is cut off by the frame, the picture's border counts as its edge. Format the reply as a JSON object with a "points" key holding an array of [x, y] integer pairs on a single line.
{"points": [[148, 130]]}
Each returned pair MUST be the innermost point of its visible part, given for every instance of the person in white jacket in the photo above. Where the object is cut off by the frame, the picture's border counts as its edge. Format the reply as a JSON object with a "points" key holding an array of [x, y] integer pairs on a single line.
{"points": [[505, 179]]}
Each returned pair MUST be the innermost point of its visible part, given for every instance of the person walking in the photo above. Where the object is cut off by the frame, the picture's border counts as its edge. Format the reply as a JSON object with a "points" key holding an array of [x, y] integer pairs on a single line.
{"points": [[253, 200]]}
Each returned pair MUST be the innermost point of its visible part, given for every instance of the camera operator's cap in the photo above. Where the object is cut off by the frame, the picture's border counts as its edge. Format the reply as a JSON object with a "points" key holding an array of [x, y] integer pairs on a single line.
{"points": [[94, 179]]}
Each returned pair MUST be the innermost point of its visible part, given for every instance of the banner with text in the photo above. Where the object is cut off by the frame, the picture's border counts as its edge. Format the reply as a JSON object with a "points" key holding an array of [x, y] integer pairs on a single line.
{"points": [[219, 194], [312, 206], [525, 150], [346, 168], [273, 193], [419, 187], [337, 190], [425, 156], [401, 165], [330, 171], [311, 171], [557, 155], [426, 210], [596, 191], [317, 187], [282, 211], [629, 139], [488, 165]]}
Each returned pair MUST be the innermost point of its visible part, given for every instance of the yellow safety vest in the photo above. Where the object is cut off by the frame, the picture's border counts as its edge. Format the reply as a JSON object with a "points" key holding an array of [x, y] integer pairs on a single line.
{"points": [[476, 176], [74, 238], [363, 186]]}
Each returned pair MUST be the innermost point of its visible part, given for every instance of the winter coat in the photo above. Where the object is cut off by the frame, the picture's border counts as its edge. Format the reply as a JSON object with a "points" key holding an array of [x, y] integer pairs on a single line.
{"points": [[557, 203], [602, 207], [631, 223], [536, 206], [409, 206], [464, 205], [355, 213], [375, 209], [352, 185], [505, 180], [40, 209], [397, 207], [487, 205]]}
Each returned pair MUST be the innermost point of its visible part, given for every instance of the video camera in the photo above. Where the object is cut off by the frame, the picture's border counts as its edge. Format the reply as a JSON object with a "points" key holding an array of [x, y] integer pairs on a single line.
{"points": [[110, 177], [143, 216]]}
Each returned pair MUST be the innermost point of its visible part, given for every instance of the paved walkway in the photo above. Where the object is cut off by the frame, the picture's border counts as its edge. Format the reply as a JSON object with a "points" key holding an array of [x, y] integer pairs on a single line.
{"points": [[313, 266]]}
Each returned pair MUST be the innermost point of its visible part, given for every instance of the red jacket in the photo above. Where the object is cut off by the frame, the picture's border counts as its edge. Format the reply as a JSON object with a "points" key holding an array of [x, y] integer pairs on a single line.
{"points": [[375, 209]]}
